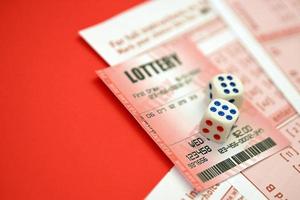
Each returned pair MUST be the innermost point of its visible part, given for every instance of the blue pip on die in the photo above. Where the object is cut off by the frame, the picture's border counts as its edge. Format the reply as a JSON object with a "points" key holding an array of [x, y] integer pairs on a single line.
{"points": [[218, 120], [228, 87]]}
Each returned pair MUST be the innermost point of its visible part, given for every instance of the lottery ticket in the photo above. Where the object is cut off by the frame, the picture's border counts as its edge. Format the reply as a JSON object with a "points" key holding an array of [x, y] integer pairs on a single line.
{"points": [[270, 30], [165, 87], [276, 30], [276, 26], [225, 51]]}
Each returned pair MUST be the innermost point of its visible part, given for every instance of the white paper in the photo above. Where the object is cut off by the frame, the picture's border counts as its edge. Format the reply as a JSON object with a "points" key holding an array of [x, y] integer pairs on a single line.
{"points": [[129, 33]]}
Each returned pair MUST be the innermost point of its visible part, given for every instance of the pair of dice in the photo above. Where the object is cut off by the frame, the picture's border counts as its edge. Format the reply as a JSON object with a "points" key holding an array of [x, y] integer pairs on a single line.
{"points": [[225, 93]]}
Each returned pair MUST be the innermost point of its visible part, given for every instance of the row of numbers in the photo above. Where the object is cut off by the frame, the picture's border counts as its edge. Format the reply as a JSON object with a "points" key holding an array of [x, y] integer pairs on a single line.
{"points": [[175, 104], [199, 152]]}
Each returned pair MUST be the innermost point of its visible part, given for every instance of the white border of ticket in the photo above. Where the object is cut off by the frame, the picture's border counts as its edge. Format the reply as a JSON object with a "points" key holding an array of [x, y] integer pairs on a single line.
{"points": [[258, 52]]}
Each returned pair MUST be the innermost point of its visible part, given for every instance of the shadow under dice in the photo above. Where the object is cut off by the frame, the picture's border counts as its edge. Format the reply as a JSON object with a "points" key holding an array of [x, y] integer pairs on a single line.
{"points": [[218, 120], [228, 87]]}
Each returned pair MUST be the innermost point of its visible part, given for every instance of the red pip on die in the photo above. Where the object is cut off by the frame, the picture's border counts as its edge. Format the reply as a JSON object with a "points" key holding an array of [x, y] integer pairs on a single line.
{"points": [[218, 120]]}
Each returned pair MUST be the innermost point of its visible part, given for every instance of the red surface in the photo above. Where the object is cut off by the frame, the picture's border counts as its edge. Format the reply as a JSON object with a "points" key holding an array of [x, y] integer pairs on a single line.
{"points": [[63, 135]]}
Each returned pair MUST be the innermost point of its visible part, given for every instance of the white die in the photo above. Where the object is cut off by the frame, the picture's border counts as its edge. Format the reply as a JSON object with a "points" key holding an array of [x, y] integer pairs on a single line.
{"points": [[228, 87], [218, 120]]}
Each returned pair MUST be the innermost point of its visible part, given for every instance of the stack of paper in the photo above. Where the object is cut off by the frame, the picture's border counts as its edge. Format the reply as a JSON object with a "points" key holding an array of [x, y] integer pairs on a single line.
{"points": [[162, 55]]}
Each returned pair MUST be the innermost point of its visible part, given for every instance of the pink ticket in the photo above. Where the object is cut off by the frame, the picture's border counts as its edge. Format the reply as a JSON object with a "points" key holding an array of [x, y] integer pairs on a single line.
{"points": [[164, 90], [276, 25], [259, 89]]}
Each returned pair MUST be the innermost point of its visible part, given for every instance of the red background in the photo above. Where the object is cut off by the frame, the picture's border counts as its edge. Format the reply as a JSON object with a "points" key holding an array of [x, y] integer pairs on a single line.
{"points": [[63, 135]]}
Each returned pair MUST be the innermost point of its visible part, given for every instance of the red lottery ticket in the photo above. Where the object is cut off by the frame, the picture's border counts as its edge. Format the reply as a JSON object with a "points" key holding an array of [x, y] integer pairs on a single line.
{"points": [[164, 89]]}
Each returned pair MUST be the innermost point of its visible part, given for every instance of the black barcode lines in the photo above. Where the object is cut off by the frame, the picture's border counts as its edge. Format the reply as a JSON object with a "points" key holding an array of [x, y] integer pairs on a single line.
{"points": [[235, 160]]}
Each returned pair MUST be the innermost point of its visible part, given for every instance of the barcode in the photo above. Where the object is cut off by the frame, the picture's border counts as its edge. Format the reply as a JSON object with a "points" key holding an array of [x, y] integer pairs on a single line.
{"points": [[239, 158], [253, 151], [216, 170]]}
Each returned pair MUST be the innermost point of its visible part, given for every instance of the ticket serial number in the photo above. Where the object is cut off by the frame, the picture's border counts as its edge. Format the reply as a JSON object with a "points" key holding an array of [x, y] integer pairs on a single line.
{"points": [[197, 157]]}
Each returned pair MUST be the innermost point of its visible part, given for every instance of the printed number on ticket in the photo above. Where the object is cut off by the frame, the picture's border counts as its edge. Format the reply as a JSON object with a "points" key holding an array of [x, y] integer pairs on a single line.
{"points": [[164, 89]]}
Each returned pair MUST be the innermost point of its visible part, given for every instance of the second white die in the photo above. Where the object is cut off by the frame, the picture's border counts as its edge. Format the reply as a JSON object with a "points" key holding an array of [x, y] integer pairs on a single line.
{"points": [[228, 87], [218, 120]]}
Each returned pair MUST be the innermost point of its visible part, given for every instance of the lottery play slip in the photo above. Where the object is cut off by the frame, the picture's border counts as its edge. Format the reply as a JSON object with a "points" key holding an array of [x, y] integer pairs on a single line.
{"points": [[164, 89], [255, 47]]}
